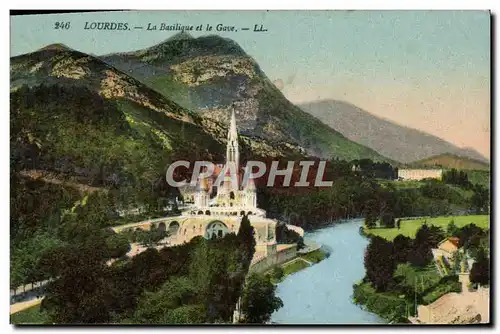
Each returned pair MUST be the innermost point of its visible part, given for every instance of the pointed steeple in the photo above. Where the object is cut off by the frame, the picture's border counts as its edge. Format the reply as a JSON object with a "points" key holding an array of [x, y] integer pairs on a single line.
{"points": [[232, 149], [233, 133]]}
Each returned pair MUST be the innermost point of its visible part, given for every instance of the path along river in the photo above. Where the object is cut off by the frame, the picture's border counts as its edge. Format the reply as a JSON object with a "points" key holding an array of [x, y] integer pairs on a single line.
{"points": [[322, 293]]}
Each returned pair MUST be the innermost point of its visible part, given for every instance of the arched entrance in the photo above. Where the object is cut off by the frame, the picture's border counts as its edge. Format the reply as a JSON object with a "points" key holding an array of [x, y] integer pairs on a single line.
{"points": [[173, 228], [207, 212], [216, 229]]}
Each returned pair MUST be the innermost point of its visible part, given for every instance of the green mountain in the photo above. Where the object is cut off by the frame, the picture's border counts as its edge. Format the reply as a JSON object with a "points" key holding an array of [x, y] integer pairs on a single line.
{"points": [[75, 114], [211, 75], [78, 125], [449, 161], [394, 141]]}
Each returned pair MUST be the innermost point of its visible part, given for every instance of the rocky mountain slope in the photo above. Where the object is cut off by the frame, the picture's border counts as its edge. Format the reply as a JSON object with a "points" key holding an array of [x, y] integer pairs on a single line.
{"points": [[59, 71], [389, 139], [211, 75]]}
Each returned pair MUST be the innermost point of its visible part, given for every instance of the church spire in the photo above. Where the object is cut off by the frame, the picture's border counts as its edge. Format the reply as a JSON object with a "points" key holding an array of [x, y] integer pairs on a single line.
{"points": [[233, 133], [232, 150]]}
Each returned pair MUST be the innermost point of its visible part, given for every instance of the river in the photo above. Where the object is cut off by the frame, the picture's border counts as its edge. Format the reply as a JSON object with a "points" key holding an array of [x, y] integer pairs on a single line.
{"points": [[322, 293]]}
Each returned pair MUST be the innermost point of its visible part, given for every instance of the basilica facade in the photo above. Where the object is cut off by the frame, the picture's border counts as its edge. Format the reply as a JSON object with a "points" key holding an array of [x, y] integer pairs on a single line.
{"points": [[232, 197]]}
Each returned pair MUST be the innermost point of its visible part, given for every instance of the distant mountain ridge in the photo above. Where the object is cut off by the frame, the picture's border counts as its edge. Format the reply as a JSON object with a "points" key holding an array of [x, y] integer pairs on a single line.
{"points": [[212, 75], [451, 161], [395, 141]]}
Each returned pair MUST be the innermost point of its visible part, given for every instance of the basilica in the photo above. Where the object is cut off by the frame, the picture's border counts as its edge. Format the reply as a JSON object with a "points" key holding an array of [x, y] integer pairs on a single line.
{"points": [[231, 197]]}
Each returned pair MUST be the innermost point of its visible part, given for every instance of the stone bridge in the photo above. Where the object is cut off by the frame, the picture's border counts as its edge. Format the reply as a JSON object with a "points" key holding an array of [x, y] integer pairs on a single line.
{"points": [[185, 227]]}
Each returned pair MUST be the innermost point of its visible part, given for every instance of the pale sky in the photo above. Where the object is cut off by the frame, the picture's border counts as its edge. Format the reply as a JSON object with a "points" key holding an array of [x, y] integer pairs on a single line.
{"points": [[429, 70]]}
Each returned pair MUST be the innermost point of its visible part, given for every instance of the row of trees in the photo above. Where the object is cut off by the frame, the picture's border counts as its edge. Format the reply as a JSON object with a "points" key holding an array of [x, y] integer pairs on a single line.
{"points": [[370, 169], [456, 177]]}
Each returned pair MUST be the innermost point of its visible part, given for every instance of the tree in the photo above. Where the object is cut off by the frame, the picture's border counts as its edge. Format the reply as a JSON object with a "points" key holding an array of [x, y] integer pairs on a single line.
{"points": [[371, 213], [451, 229], [402, 248], [246, 242], [118, 245], [277, 272], [436, 235], [421, 254], [480, 271], [387, 220], [466, 233], [456, 177], [380, 263], [259, 300], [480, 199], [150, 238], [25, 258], [81, 293], [170, 304]]}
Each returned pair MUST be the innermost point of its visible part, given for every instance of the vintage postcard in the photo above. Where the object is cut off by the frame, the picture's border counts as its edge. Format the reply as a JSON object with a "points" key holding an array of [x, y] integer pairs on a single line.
{"points": [[250, 167]]}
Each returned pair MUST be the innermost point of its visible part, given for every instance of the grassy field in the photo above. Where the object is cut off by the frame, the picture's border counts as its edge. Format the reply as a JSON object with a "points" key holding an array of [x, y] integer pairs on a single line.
{"points": [[298, 264], [314, 257], [30, 316], [293, 267], [410, 227]]}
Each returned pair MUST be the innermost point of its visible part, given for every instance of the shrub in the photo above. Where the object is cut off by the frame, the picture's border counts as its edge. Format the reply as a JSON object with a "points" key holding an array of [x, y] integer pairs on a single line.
{"points": [[277, 272]]}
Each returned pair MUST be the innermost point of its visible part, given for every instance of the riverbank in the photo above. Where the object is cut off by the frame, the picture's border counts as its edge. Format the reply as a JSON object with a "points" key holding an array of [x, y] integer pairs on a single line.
{"points": [[412, 280], [322, 293], [303, 260]]}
